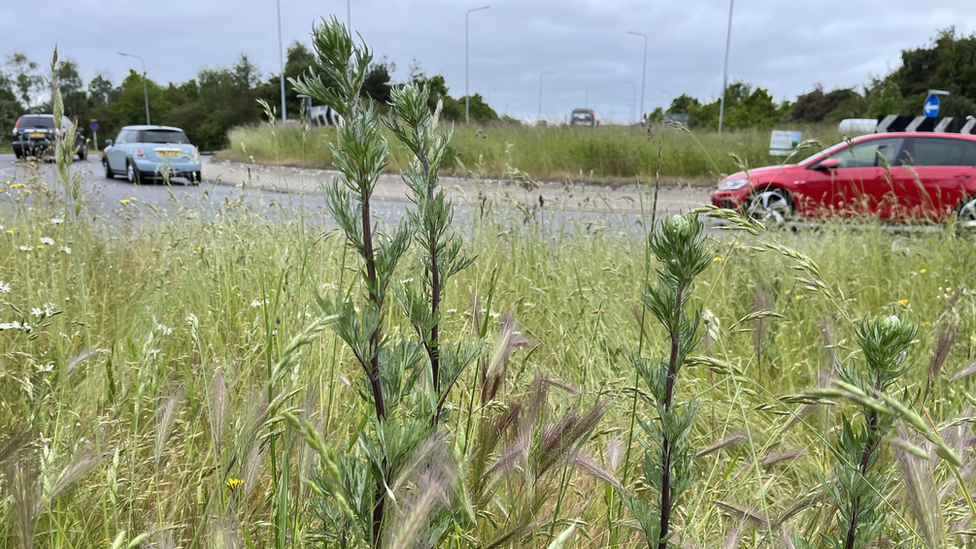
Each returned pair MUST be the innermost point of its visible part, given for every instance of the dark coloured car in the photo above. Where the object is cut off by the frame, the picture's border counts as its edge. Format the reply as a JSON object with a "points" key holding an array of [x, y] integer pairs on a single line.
{"points": [[891, 176], [36, 135]]}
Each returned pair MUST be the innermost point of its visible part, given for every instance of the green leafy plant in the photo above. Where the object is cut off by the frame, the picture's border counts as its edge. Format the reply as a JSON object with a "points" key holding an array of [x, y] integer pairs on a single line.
{"points": [[678, 244], [400, 447]]}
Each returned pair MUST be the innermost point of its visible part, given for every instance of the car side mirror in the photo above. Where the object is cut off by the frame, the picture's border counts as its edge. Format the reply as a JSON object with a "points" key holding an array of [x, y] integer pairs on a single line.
{"points": [[109, 142], [829, 164]]}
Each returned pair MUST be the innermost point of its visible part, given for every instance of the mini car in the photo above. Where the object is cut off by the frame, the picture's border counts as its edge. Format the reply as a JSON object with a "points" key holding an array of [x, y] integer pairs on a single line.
{"points": [[143, 153]]}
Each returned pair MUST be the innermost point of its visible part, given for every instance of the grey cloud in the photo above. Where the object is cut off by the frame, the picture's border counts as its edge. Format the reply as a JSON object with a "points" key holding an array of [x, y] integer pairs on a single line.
{"points": [[784, 46]]}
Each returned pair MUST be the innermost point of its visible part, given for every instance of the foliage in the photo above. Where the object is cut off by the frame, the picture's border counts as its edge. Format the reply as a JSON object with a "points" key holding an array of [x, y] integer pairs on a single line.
{"points": [[678, 244]]}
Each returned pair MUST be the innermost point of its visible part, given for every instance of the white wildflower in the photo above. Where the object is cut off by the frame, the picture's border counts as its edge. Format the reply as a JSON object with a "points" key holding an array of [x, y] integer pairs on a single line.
{"points": [[25, 248], [47, 241], [37, 312], [493, 315], [4, 287], [406, 280], [257, 303], [49, 309], [56, 221], [45, 368], [163, 329], [65, 249]]}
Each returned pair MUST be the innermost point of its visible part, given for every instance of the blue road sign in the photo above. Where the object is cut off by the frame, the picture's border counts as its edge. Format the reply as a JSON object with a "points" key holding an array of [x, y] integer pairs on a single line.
{"points": [[93, 126], [931, 107]]}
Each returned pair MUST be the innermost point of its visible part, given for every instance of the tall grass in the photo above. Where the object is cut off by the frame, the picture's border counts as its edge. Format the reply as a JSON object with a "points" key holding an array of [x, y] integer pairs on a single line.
{"points": [[606, 154], [167, 468]]}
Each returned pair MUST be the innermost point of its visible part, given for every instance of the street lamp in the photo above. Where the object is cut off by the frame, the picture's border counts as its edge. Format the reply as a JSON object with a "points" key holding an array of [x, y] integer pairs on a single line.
{"points": [[467, 98], [281, 62], [145, 88], [725, 71], [633, 104], [540, 93], [644, 75], [349, 17]]}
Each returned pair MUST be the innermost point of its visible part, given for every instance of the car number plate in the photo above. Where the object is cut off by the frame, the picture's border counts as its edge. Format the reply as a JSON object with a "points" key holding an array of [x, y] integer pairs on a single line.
{"points": [[37, 134], [168, 153]]}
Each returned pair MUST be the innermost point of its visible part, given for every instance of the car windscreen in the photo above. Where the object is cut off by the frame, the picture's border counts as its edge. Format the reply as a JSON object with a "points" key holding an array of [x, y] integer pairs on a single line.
{"points": [[46, 122], [162, 136]]}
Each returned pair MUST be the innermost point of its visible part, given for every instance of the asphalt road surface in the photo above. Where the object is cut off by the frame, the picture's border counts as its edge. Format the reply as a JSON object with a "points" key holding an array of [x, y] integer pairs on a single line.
{"points": [[106, 195]]}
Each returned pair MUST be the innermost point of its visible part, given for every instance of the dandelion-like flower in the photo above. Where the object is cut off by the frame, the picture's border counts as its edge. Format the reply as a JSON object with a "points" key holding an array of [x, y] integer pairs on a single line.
{"points": [[48, 241], [11, 230], [718, 258], [903, 302], [234, 483]]}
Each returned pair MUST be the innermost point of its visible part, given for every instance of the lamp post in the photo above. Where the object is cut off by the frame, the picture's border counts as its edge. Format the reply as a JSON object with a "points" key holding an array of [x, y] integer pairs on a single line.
{"points": [[281, 62], [633, 104], [349, 17], [725, 71], [644, 73], [467, 98], [540, 92], [145, 87]]}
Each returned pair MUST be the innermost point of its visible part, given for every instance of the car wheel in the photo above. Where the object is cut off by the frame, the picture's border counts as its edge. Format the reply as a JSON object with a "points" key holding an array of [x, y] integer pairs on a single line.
{"points": [[108, 171], [771, 205], [131, 172], [966, 214], [82, 153]]}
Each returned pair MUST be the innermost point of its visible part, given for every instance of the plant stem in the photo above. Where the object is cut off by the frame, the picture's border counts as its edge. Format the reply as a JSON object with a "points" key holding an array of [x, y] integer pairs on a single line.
{"points": [[666, 448]]}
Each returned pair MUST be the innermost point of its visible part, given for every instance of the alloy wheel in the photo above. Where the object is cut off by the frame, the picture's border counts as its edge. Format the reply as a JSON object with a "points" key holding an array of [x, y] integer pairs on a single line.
{"points": [[771, 206], [967, 214]]}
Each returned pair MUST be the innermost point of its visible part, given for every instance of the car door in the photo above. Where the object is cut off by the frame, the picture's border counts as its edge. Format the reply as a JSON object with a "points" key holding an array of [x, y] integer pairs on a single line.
{"points": [[116, 155], [941, 170], [859, 181]]}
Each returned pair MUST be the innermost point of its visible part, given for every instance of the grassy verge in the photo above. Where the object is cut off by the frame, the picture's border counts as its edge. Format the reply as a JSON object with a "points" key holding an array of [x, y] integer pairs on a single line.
{"points": [[606, 154], [135, 404]]}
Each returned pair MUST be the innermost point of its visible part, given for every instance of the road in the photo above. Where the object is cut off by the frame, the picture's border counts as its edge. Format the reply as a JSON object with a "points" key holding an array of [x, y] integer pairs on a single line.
{"points": [[279, 191]]}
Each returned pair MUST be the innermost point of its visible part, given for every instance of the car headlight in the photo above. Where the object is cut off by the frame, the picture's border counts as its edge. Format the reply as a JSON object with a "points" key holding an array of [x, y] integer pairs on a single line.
{"points": [[733, 184]]}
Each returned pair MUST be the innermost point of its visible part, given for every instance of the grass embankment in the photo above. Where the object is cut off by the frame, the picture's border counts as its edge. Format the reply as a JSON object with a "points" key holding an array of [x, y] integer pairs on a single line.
{"points": [[162, 426], [606, 154]]}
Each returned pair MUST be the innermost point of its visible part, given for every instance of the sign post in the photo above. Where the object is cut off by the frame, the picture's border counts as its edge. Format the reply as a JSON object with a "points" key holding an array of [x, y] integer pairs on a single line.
{"points": [[93, 126], [931, 106], [784, 143]]}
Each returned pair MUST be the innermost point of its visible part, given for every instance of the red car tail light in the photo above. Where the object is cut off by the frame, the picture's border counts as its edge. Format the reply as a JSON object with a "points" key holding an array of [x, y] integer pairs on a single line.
{"points": [[15, 128]]}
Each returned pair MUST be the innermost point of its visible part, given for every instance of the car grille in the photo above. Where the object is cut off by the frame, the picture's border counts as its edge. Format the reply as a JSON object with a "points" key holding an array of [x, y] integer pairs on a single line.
{"points": [[724, 203]]}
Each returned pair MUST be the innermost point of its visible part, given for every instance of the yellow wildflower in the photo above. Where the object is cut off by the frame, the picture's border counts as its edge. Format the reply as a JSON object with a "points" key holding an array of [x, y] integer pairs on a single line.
{"points": [[11, 230], [133, 199], [923, 271], [234, 483], [718, 258], [800, 297], [926, 324], [903, 302], [124, 201]]}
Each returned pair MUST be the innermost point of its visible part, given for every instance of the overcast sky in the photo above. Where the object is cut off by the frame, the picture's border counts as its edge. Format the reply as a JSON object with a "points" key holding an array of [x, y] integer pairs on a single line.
{"points": [[786, 46]]}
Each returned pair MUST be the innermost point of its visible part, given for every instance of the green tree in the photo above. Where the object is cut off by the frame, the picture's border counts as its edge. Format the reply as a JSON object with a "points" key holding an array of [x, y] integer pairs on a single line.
{"points": [[28, 82]]}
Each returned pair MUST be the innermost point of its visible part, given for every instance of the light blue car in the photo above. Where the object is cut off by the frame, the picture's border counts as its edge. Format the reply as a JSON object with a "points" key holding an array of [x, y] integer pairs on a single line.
{"points": [[151, 152]]}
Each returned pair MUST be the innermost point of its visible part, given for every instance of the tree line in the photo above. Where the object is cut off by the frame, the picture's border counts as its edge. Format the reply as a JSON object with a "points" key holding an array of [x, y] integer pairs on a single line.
{"points": [[206, 107], [948, 63], [218, 99]]}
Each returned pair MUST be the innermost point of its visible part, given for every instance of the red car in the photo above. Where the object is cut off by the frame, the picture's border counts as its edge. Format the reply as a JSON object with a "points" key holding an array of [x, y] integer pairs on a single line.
{"points": [[891, 176]]}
